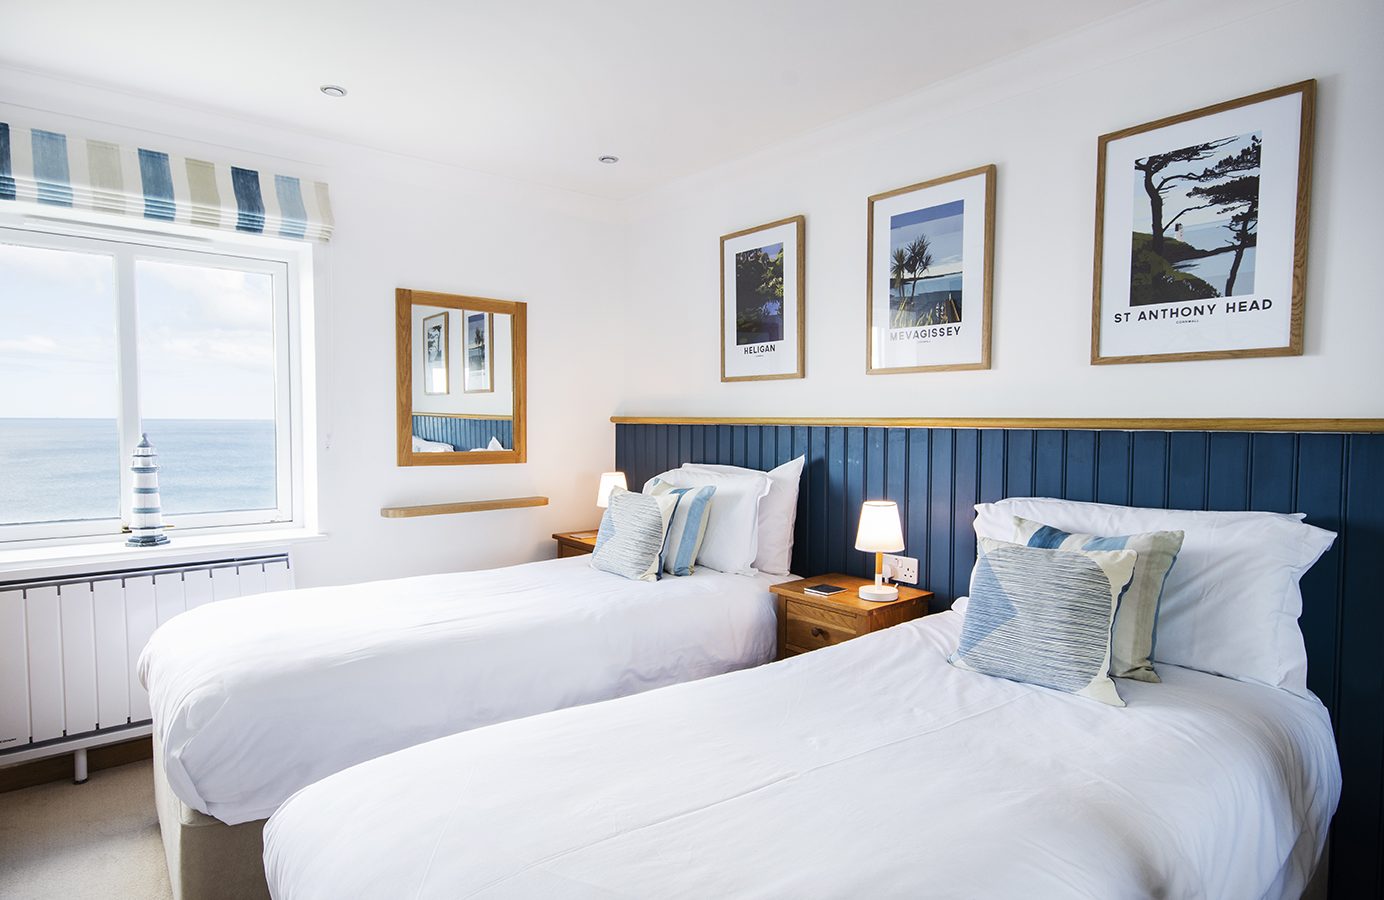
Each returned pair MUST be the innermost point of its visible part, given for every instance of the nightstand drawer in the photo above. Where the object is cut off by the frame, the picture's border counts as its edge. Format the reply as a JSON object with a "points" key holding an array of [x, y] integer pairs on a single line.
{"points": [[810, 635], [836, 618]]}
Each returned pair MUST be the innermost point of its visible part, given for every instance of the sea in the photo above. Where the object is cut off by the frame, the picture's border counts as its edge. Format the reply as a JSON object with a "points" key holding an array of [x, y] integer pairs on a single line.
{"points": [[64, 469]]}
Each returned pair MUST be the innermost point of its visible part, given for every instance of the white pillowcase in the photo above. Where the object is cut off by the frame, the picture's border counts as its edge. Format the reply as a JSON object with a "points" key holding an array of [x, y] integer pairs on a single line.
{"points": [[1231, 602], [732, 528], [778, 512]]}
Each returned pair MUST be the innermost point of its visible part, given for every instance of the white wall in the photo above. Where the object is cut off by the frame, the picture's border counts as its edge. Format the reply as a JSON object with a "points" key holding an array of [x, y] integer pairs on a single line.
{"points": [[1037, 116], [406, 223]]}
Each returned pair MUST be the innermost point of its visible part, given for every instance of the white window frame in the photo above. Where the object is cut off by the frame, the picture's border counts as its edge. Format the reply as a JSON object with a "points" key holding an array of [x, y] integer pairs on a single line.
{"points": [[290, 264]]}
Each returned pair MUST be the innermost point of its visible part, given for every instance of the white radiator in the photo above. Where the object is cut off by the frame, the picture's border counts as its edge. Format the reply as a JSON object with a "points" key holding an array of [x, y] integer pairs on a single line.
{"points": [[69, 648]]}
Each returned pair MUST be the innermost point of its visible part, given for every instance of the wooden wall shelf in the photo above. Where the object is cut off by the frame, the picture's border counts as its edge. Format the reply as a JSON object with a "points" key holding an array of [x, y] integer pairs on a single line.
{"points": [[463, 506]]}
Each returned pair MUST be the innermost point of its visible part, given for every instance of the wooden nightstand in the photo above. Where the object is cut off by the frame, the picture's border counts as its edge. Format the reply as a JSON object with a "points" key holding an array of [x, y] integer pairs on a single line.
{"points": [[808, 622], [574, 543]]}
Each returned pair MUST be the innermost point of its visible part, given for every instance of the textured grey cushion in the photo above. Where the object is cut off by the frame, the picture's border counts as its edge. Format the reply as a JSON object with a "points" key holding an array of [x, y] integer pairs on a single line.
{"points": [[1131, 638], [1043, 616], [630, 540]]}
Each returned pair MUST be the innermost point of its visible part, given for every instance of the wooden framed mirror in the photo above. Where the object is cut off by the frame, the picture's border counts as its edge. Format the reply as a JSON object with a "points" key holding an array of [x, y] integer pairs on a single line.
{"points": [[460, 379]]}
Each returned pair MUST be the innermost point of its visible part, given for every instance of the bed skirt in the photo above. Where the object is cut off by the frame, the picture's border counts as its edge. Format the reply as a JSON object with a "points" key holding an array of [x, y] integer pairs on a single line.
{"points": [[207, 859]]}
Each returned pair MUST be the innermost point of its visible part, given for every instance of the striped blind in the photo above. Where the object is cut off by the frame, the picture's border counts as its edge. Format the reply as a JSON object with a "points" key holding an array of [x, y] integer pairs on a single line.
{"points": [[64, 170]]}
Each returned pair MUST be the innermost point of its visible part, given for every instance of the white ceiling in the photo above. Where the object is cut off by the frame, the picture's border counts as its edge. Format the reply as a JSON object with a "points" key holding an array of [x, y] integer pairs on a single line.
{"points": [[537, 90]]}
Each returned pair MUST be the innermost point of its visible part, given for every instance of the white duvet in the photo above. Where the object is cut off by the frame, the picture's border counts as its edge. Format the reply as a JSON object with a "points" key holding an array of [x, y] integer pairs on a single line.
{"points": [[256, 697], [870, 769]]}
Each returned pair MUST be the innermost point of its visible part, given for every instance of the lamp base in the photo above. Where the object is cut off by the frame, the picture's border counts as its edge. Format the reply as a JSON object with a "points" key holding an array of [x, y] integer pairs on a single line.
{"points": [[879, 593]]}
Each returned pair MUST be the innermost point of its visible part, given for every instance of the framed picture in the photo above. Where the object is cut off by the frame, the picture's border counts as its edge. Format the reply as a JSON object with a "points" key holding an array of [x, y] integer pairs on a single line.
{"points": [[930, 275], [480, 338], [1201, 232], [762, 302], [435, 354]]}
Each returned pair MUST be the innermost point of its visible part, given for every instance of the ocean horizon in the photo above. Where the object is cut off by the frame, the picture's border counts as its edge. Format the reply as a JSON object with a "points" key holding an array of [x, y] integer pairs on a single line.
{"points": [[64, 469]]}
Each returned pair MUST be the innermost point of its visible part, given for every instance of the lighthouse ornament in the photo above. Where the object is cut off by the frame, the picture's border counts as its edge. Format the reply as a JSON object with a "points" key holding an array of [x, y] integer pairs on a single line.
{"points": [[146, 512]]}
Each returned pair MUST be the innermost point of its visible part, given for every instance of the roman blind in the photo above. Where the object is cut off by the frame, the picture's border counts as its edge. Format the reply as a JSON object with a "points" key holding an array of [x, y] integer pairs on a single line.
{"points": [[57, 169]]}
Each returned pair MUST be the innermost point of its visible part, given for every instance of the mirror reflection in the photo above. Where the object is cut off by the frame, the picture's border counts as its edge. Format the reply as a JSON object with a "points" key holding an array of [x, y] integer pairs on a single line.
{"points": [[463, 395]]}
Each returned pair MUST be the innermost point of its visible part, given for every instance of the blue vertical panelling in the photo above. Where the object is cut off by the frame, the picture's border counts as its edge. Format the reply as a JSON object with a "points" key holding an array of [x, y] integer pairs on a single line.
{"points": [[1272, 459], [1049, 463], [1148, 466], [1079, 470], [936, 475], [1356, 841], [1112, 467], [939, 516], [1321, 495], [1228, 460], [965, 494], [1187, 470]]}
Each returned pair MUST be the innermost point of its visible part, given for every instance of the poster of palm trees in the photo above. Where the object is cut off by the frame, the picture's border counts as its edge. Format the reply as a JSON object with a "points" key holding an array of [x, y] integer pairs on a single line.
{"points": [[1201, 232], [480, 338], [435, 369], [929, 283], [762, 300]]}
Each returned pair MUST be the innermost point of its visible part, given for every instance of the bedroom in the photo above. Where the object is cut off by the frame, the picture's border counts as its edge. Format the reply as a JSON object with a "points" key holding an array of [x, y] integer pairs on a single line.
{"points": [[759, 193]]}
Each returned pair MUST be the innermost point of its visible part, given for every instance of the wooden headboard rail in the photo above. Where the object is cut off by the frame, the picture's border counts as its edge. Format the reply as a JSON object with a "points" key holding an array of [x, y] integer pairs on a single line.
{"points": [[1311, 426]]}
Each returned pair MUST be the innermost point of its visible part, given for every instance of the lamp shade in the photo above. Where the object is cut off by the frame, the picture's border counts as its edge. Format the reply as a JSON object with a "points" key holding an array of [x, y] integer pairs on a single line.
{"points": [[879, 530], [609, 480]]}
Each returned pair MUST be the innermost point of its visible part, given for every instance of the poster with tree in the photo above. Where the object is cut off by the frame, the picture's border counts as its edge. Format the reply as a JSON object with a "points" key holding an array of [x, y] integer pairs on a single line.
{"points": [[762, 297], [1201, 232], [928, 287]]}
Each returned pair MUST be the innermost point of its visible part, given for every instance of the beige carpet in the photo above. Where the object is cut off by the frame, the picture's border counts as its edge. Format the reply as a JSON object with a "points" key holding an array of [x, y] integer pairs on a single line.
{"points": [[98, 840]]}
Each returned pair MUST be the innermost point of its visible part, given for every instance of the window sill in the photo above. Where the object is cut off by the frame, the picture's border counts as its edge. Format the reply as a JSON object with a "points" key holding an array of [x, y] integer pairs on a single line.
{"points": [[37, 562]]}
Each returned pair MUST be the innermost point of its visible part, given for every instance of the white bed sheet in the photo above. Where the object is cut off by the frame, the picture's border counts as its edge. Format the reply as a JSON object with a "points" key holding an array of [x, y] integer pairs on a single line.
{"points": [[870, 769], [256, 697]]}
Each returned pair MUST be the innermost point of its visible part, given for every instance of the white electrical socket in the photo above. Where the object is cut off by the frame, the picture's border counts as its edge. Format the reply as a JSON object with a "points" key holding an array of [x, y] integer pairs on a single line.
{"points": [[901, 568]]}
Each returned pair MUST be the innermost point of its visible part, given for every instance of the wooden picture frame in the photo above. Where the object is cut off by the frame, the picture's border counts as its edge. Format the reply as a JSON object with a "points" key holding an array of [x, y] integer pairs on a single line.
{"points": [[938, 333], [404, 301], [768, 339], [1241, 172], [487, 374], [436, 372]]}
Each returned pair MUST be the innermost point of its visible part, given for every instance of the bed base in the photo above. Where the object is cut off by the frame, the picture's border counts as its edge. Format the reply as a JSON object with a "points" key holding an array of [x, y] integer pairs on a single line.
{"points": [[207, 859]]}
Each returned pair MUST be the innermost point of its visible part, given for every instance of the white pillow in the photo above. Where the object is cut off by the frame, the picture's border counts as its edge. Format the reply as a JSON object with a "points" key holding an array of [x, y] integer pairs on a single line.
{"points": [[731, 540], [777, 513], [423, 445], [1231, 603]]}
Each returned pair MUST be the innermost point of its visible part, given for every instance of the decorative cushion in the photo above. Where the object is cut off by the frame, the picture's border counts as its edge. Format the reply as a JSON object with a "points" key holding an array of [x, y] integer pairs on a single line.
{"points": [[1043, 616], [1131, 639], [732, 532], [688, 525], [778, 512], [630, 540], [1231, 604]]}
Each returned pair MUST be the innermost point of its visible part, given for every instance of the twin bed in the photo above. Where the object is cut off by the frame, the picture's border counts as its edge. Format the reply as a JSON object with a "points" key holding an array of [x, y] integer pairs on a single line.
{"points": [[393, 732]]}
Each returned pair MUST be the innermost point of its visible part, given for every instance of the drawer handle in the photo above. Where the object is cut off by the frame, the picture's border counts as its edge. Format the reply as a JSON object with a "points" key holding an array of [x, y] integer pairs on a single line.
{"points": [[818, 633]]}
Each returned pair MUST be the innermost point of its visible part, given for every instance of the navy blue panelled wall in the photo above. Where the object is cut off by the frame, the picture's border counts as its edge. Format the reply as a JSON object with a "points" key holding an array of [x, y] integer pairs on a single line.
{"points": [[464, 434], [936, 475]]}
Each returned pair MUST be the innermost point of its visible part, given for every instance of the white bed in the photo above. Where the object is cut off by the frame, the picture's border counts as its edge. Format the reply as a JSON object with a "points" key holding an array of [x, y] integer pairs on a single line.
{"points": [[257, 697], [869, 769]]}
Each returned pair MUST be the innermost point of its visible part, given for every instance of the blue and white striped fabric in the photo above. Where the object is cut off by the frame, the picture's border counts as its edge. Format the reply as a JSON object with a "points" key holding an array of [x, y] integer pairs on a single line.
{"points": [[56, 169], [1132, 637], [688, 527], [1043, 616], [630, 540]]}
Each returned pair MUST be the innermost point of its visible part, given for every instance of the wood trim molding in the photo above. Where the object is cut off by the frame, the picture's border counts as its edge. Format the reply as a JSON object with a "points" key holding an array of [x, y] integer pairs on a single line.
{"points": [[1344, 426], [483, 416], [463, 506]]}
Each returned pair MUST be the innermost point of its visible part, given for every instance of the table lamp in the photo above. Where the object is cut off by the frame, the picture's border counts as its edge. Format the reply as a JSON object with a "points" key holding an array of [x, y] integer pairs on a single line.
{"points": [[609, 480], [879, 533]]}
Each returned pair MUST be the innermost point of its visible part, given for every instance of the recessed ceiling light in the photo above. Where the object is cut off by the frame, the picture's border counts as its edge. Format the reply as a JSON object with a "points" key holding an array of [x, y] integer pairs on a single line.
{"points": [[608, 159], [333, 90]]}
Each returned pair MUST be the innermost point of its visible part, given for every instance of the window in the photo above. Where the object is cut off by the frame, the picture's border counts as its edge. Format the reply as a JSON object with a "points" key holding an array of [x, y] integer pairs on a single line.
{"points": [[106, 336]]}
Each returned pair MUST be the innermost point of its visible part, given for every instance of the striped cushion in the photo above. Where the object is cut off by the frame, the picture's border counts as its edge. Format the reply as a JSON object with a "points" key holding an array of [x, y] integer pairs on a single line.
{"points": [[1043, 616], [1131, 640], [688, 526], [630, 540]]}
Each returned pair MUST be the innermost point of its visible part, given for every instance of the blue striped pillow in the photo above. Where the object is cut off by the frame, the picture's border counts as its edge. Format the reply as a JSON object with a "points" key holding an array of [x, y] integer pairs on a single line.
{"points": [[688, 527]]}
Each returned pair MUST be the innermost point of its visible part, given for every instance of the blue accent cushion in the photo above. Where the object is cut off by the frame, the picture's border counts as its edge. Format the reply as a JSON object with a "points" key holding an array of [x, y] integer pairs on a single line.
{"points": [[1043, 616], [688, 526]]}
